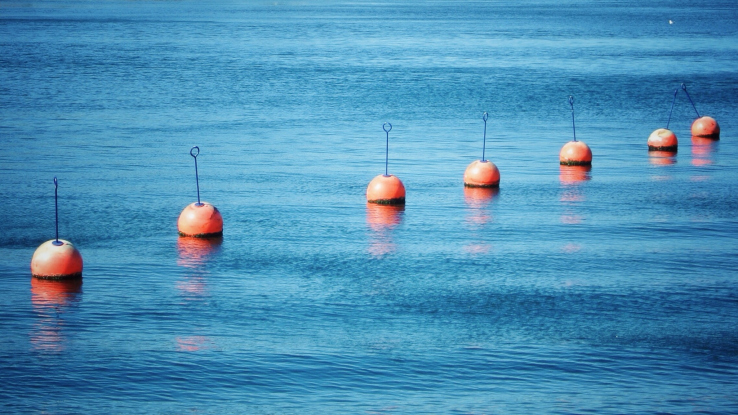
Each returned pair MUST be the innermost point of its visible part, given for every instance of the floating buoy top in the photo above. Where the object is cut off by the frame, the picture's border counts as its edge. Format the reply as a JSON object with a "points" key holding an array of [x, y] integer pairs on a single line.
{"points": [[200, 219], [706, 127], [703, 127], [575, 153], [662, 140], [57, 258], [386, 189], [482, 173]]}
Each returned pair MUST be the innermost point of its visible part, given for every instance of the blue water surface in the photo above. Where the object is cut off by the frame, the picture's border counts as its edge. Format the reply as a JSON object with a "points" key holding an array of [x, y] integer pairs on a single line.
{"points": [[613, 290]]}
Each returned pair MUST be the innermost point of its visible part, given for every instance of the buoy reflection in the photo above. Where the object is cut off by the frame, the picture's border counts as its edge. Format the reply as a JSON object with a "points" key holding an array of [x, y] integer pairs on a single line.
{"points": [[50, 299], [703, 150], [662, 158], [574, 174], [382, 219], [193, 343], [194, 254], [477, 199]]}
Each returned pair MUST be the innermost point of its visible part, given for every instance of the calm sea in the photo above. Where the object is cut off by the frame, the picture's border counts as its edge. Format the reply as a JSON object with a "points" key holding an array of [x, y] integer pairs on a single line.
{"points": [[608, 291]]}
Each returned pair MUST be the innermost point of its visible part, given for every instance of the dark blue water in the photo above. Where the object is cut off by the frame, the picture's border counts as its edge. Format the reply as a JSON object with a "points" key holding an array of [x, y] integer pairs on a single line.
{"points": [[613, 290]]}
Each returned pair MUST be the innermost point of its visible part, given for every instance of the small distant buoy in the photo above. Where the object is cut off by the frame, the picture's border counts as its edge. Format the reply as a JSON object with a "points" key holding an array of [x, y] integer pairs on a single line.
{"points": [[386, 189], [575, 153], [703, 127], [200, 219], [482, 173], [662, 139], [56, 259], [706, 127]]}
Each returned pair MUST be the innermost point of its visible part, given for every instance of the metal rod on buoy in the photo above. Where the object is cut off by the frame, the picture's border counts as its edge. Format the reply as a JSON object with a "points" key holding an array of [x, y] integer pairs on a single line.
{"points": [[484, 140], [676, 91], [386, 151], [684, 87], [56, 211], [574, 128], [197, 178]]}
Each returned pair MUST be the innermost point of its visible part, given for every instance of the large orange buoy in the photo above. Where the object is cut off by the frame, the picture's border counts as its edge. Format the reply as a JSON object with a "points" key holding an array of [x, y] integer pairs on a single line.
{"points": [[703, 127], [575, 153], [706, 127], [482, 173], [386, 189], [200, 219], [662, 139], [57, 258]]}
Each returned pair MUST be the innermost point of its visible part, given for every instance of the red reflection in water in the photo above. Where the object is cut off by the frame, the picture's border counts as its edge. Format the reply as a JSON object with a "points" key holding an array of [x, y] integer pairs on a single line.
{"points": [[382, 219], [479, 197], [662, 158], [702, 150], [195, 252], [51, 298], [574, 174], [193, 343], [477, 200]]}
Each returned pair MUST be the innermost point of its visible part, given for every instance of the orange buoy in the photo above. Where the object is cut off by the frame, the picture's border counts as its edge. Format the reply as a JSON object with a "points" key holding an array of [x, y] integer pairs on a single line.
{"points": [[386, 189], [662, 139], [703, 127], [56, 259], [706, 127], [482, 173], [575, 153], [200, 220]]}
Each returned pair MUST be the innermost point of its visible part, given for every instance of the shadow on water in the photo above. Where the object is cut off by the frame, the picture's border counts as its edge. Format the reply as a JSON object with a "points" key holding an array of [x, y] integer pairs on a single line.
{"points": [[50, 300], [382, 220]]}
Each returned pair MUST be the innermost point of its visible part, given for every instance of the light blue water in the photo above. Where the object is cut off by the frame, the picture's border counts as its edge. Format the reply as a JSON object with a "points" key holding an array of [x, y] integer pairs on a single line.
{"points": [[613, 294]]}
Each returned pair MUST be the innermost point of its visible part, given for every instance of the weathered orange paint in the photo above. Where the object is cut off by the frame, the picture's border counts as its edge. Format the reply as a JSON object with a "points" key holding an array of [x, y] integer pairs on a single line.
{"points": [[386, 190], [200, 221], [706, 127], [574, 173], [575, 153], [56, 262], [662, 139], [662, 157], [482, 173]]}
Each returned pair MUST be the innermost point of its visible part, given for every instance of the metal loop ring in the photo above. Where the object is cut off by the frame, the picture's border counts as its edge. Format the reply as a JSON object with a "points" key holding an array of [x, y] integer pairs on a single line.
{"points": [[485, 116], [193, 149], [571, 101], [684, 87], [56, 184], [384, 127]]}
